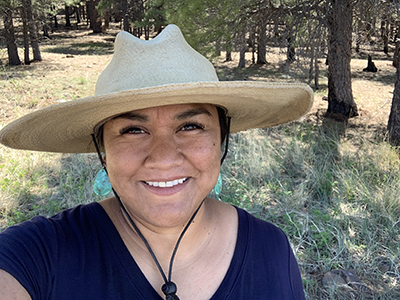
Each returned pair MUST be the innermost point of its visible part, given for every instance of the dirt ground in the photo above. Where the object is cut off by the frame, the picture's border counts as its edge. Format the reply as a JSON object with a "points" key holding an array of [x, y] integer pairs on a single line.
{"points": [[372, 92]]}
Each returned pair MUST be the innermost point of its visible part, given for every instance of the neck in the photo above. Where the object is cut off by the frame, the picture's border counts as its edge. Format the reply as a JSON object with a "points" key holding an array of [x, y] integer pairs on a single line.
{"points": [[164, 240]]}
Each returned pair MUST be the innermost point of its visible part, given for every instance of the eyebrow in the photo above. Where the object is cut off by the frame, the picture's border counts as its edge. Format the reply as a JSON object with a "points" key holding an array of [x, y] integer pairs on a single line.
{"points": [[134, 116], [192, 112], [180, 116]]}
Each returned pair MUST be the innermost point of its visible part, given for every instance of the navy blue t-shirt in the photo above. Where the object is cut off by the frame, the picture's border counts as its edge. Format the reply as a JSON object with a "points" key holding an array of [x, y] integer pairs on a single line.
{"points": [[79, 254]]}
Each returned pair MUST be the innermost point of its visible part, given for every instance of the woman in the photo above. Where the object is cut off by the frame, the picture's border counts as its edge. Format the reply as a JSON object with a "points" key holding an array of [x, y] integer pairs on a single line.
{"points": [[157, 122]]}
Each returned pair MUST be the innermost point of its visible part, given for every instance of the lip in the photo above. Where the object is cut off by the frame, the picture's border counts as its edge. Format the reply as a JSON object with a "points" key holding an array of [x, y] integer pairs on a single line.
{"points": [[167, 190], [166, 184]]}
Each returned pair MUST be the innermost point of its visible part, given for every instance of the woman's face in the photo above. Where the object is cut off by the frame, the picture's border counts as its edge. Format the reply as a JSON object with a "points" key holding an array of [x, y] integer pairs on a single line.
{"points": [[163, 161]]}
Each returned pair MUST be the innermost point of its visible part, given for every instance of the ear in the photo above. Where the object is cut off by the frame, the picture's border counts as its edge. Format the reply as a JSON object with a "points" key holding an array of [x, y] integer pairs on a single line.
{"points": [[103, 159]]}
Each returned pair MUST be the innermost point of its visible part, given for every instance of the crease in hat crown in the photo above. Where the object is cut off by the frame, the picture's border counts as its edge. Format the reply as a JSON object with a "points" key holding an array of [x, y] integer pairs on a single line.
{"points": [[169, 57]]}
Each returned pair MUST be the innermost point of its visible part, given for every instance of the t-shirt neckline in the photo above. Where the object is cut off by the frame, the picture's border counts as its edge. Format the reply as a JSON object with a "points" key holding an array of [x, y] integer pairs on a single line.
{"points": [[140, 282]]}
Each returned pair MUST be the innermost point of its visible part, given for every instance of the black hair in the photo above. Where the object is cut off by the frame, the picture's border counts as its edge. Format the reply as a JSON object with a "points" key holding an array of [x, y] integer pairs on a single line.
{"points": [[223, 123]]}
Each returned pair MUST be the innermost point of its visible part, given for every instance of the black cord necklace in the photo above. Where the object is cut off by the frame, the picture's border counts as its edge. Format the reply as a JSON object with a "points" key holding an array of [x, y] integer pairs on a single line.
{"points": [[169, 287]]}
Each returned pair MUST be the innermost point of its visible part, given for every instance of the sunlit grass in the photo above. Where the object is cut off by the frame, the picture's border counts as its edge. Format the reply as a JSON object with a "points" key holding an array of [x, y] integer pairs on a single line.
{"points": [[338, 202]]}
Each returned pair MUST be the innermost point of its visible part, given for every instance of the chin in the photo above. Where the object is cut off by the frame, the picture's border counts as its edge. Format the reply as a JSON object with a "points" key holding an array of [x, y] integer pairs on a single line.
{"points": [[172, 215]]}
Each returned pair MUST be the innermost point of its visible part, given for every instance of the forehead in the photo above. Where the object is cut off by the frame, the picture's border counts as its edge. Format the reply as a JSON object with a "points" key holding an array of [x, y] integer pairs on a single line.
{"points": [[176, 111]]}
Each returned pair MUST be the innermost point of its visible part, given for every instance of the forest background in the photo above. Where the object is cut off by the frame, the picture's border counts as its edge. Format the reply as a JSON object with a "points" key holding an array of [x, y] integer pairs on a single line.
{"points": [[330, 181]]}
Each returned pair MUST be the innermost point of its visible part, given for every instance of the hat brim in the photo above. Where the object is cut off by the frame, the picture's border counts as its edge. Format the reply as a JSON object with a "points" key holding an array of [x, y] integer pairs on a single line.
{"points": [[67, 127]]}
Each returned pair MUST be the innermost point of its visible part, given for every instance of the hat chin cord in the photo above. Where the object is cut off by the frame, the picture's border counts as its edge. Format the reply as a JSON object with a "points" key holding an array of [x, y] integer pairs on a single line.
{"points": [[169, 287]]}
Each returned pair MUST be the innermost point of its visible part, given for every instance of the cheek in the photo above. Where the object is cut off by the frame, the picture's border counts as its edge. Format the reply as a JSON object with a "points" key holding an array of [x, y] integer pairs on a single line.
{"points": [[206, 154], [122, 159]]}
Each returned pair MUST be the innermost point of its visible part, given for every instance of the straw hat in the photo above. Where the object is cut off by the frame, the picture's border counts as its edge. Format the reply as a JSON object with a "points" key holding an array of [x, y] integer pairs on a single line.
{"points": [[142, 74]]}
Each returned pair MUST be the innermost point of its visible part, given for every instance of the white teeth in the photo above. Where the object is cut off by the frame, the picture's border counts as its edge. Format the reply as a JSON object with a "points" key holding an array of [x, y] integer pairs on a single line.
{"points": [[166, 183]]}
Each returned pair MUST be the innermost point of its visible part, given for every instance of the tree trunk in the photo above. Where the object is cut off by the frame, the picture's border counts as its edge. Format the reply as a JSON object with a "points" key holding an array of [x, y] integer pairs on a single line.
{"points": [[396, 49], [393, 126], [26, 35], [9, 36], [67, 19], [316, 73], [82, 12], [55, 22], [340, 96], [242, 48], [107, 18], [312, 57], [358, 36], [385, 36], [228, 56], [291, 50], [33, 36], [95, 21], [89, 15], [78, 14], [125, 15], [252, 39], [262, 41], [46, 30]]}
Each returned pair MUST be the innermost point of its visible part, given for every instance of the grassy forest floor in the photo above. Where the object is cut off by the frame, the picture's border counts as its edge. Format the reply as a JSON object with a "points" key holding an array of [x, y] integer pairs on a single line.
{"points": [[334, 190]]}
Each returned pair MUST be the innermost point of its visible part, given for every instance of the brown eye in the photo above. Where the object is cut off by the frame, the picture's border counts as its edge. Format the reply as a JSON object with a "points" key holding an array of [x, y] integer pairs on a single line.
{"points": [[192, 126], [132, 130]]}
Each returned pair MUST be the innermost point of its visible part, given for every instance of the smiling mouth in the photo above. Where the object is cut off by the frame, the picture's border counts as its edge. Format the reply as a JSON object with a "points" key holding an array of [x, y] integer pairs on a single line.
{"points": [[163, 184]]}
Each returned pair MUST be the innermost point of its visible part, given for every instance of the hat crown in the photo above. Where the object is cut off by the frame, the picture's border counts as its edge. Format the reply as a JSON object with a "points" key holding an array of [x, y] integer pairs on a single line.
{"points": [[166, 59]]}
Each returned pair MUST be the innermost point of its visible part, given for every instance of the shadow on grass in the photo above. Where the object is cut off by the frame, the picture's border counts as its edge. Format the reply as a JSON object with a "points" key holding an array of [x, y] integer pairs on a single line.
{"points": [[91, 48], [252, 72], [381, 76]]}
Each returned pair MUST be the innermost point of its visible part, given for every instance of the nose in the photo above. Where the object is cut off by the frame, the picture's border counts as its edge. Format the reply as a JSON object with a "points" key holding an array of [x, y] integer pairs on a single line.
{"points": [[164, 153]]}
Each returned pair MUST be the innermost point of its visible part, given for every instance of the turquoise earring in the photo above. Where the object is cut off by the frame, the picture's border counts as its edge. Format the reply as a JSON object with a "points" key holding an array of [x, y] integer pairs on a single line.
{"points": [[102, 185], [218, 187]]}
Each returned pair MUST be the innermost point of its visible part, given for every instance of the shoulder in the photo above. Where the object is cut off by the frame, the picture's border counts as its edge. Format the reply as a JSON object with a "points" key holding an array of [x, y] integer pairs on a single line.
{"points": [[48, 226], [30, 251], [260, 229], [41, 235], [265, 243], [269, 258]]}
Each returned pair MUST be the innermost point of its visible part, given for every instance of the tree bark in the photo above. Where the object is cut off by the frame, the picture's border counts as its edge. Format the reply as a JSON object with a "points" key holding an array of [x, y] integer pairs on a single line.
{"points": [[125, 15], [395, 62], [291, 50], [228, 56], [340, 95], [262, 37], [107, 18], [9, 35], [67, 19], [316, 72], [358, 36], [25, 32], [262, 41], [33, 36], [385, 36], [242, 48], [89, 15], [55, 21], [393, 126], [95, 21], [78, 14]]}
